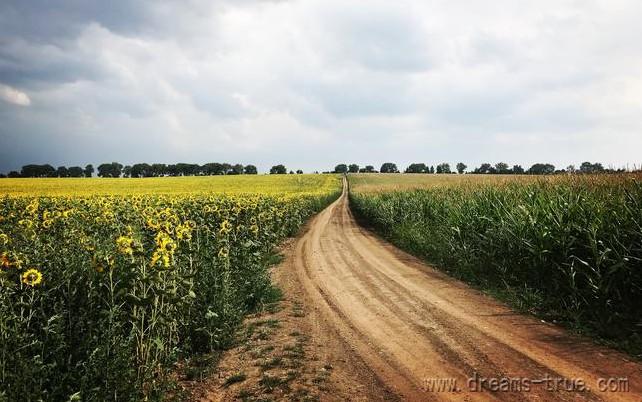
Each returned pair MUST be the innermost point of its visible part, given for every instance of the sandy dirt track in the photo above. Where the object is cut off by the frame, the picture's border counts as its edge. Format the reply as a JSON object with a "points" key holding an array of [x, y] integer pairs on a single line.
{"points": [[403, 327]]}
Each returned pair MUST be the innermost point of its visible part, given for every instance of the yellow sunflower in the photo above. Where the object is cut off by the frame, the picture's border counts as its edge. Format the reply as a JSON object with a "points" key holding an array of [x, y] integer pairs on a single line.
{"points": [[254, 229], [32, 277], [32, 208], [226, 227], [223, 252], [125, 245], [184, 232]]}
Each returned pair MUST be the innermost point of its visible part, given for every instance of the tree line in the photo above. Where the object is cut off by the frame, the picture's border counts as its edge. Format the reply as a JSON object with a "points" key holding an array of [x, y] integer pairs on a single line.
{"points": [[115, 169], [484, 168]]}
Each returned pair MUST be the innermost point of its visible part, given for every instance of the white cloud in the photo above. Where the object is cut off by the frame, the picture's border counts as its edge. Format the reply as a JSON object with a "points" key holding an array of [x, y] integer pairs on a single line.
{"points": [[14, 96]]}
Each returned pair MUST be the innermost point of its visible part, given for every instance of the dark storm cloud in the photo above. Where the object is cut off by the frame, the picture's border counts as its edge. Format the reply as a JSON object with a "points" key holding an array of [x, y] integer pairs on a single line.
{"points": [[29, 64], [46, 21]]}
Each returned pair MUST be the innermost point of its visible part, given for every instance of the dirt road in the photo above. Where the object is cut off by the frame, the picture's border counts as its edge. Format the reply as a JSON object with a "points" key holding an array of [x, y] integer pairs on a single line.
{"points": [[400, 328]]}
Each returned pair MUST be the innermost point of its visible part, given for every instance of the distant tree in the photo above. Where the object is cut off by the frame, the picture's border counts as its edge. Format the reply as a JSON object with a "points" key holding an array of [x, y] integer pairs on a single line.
{"points": [[389, 167], [113, 169], [211, 169], [432, 170], [250, 169], [299, 171], [158, 169], [171, 170], [443, 168], [353, 168], [13, 174], [518, 169], [236, 169], [542, 168], [369, 169], [127, 171], [484, 168], [502, 168], [3, 176], [341, 168], [291, 171], [207, 169], [461, 167], [38, 171], [62, 171], [140, 170], [75, 171], [89, 170], [416, 168], [104, 170], [188, 169], [278, 169], [588, 167], [570, 168]]}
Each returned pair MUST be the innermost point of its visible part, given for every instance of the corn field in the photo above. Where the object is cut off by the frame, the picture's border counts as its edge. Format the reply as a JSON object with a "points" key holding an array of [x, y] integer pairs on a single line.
{"points": [[567, 248], [102, 294]]}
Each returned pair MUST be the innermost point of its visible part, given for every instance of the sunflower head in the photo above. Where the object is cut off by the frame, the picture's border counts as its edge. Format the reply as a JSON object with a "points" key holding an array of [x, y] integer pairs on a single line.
{"points": [[169, 247], [184, 232], [254, 229], [161, 259], [32, 277], [26, 223], [125, 245], [165, 243], [223, 252], [226, 227], [32, 208]]}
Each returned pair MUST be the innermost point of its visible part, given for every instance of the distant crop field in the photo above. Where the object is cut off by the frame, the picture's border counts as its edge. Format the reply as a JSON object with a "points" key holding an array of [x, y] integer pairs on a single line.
{"points": [[230, 184], [105, 283], [377, 182], [567, 247]]}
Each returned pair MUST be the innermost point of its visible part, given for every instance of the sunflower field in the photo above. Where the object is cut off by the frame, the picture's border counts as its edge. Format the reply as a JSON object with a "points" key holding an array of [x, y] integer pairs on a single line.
{"points": [[100, 295]]}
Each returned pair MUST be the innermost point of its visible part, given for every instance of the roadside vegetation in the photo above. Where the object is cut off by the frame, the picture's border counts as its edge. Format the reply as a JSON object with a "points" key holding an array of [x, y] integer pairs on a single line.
{"points": [[567, 248]]}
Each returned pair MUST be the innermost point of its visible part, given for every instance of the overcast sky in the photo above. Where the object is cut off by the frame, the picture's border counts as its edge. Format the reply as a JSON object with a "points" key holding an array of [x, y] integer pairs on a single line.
{"points": [[314, 83]]}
